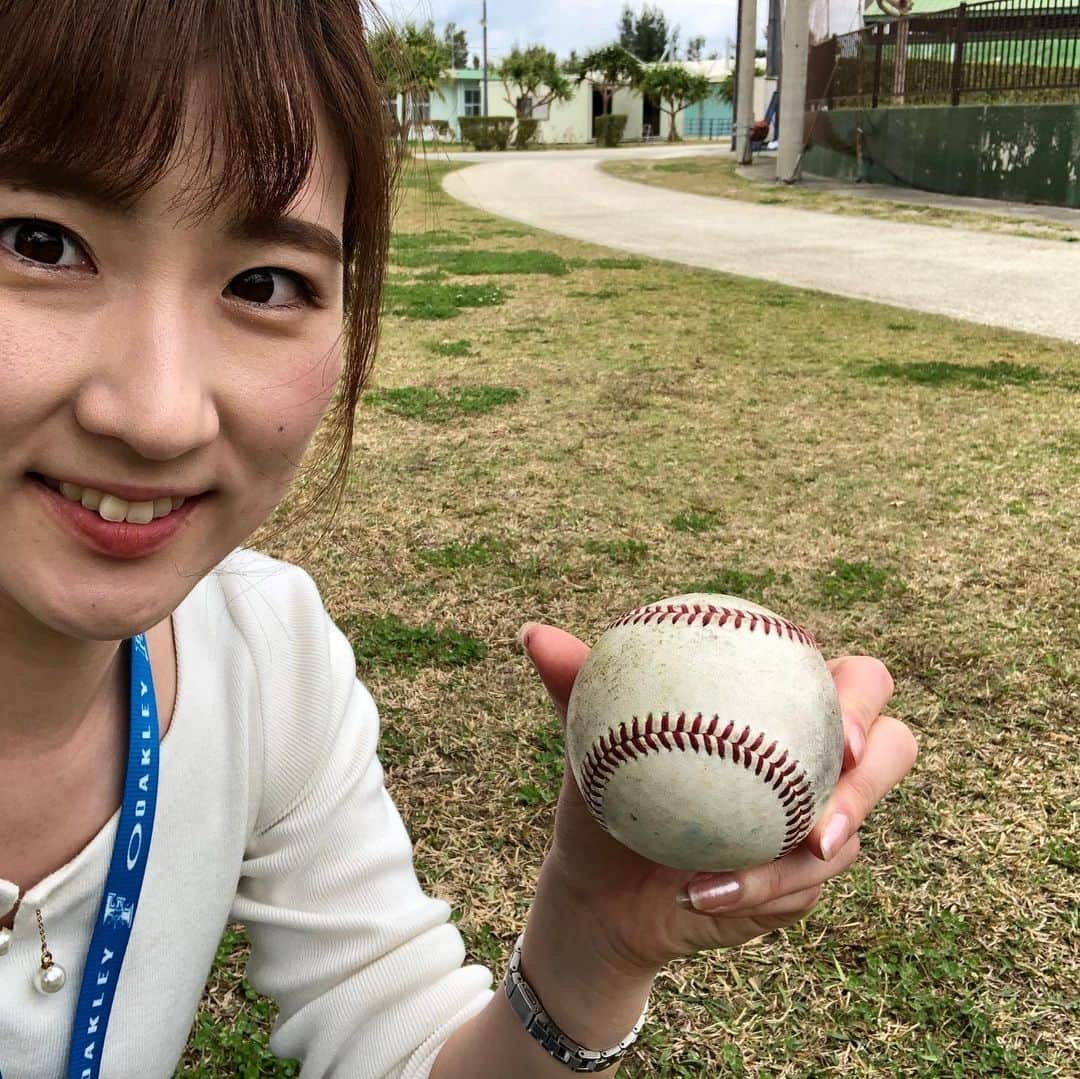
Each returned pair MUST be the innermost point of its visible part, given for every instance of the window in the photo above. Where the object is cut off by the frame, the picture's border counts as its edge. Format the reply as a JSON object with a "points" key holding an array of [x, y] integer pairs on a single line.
{"points": [[472, 101], [420, 108]]}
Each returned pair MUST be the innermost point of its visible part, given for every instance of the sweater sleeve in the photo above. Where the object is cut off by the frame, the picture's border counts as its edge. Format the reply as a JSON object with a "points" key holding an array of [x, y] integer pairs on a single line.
{"points": [[365, 968]]}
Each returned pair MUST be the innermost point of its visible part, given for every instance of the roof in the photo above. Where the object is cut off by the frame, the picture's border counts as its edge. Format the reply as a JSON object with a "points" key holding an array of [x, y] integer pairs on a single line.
{"points": [[713, 70], [872, 13]]}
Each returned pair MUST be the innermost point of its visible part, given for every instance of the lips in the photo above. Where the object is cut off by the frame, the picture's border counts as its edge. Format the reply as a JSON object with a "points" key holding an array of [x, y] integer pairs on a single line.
{"points": [[112, 525], [114, 508]]}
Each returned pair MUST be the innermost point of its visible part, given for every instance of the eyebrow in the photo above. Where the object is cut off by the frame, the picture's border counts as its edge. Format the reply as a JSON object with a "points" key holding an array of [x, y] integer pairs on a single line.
{"points": [[285, 230]]}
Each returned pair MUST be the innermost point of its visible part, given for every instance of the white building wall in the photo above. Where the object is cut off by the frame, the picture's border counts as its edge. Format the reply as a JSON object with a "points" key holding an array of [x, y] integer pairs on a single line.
{"points": [[571, 121]]}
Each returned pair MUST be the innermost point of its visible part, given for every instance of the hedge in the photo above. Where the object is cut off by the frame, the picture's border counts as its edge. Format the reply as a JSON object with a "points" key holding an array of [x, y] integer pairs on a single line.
{"points": [[527, 129], [609, 129], [486, 132]]}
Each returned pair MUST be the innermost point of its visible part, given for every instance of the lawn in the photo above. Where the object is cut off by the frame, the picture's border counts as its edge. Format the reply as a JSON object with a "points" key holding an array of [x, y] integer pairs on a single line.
{"points": [[717, 176], [553, 433]]}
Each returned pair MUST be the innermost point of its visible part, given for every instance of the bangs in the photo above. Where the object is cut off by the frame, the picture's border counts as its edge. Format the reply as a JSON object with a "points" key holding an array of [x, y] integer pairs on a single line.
{"points": [[95, 91]]}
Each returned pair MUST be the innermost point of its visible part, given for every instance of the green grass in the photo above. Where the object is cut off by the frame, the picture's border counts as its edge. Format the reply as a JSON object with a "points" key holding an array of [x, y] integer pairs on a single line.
{"points": [[389, 643], [607, 263], [461, 347], [624, 552], [435, 300], [738, 582], [478, 262], [441, 406], [600, 294], [407, 243], [926, 980], [545, 771], [696, 521], [1064, 852], [236, 1044], [943, 373], [459, 555], [847, 583]]}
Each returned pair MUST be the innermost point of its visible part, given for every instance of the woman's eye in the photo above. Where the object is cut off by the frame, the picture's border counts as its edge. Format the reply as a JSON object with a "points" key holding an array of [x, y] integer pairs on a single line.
{"points": [[271, 288], [42, 242]]}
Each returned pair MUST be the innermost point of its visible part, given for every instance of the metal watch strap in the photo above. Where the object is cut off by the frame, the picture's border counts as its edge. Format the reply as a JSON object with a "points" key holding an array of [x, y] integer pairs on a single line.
{"points": [[538, 1023]]}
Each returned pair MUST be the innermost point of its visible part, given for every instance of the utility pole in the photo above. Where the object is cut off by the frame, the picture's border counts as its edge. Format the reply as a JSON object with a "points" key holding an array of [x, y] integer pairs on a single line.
{"points": [[744, 80], [793, 90], [772, 41], [483, 23]]}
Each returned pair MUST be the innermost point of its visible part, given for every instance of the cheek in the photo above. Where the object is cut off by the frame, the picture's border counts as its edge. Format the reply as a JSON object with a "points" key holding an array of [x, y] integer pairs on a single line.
{"points": [[280, 419], [39, 373]]}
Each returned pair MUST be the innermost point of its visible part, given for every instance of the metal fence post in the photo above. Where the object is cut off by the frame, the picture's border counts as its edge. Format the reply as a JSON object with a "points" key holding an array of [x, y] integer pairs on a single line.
{"points": [[878, 28], [958, 54]]}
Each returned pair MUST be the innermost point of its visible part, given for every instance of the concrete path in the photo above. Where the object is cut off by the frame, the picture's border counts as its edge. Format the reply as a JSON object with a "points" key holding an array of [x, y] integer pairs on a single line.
{"points": [[1008, 281]]}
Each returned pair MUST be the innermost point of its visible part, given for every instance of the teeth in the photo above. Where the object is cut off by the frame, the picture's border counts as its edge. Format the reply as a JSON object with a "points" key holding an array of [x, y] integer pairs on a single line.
{"points": [[113, 508], [116, 509], [140, 513]]}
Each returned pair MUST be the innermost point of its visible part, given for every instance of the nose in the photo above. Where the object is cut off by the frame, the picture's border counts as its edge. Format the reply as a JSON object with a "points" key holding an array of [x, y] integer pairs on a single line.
{"points": [[151, 380]]}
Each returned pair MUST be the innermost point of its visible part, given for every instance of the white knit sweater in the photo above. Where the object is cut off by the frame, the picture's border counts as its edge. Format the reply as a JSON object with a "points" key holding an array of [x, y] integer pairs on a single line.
{"points": [[271, 811]]}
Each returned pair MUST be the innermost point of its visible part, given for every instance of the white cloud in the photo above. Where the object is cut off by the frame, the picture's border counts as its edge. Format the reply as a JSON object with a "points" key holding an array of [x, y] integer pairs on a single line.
{"points": [[563, 25]]}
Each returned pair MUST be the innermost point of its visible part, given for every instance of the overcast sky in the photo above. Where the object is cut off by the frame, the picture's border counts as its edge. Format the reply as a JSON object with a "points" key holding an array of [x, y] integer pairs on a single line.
{"points": [[563, 25]]}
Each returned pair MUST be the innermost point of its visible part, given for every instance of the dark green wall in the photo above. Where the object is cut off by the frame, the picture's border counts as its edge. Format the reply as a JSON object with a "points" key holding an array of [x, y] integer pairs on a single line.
{"points": [[1027, 153]]}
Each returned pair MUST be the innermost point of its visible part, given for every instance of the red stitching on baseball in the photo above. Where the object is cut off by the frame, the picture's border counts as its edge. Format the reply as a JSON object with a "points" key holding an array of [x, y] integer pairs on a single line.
{"points": [[684, 733], [703, 614]]}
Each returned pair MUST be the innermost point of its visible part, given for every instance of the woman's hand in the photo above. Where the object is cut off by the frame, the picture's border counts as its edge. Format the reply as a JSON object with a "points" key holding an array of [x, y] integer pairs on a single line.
{"points": [[642, 914]]}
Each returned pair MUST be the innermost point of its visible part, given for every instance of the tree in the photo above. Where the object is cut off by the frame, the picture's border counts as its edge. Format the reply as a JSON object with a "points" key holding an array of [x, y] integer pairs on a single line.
{"points": [[725, 88], [673, 84], [532, 79], [695, 47], [456, 43], [648, 35], [609, 69], [409, 61]]}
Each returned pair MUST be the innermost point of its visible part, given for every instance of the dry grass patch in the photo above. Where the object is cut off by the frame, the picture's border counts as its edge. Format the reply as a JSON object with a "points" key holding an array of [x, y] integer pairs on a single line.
{"points": [[953, 947], [717, 176]]}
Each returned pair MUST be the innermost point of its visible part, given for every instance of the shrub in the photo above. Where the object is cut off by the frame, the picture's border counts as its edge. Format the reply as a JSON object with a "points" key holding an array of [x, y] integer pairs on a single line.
{"points": [[526, 132], [609, 129], [486, 132]]}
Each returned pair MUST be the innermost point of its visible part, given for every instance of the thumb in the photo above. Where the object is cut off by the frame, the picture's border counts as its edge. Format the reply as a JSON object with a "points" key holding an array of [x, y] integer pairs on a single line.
{"points": [[557, 657]]}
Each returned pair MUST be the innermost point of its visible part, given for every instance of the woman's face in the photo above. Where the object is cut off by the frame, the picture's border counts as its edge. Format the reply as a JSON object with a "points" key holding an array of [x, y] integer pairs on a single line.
{"points": [[144, 359]]}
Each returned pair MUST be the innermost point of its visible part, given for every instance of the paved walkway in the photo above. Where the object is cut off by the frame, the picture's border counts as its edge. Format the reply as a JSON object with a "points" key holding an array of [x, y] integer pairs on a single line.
{"points": [[1008, 281]]}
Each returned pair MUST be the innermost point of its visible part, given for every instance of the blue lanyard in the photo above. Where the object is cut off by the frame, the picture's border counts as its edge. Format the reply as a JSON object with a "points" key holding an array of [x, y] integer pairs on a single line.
{"points": [[116, 916]]}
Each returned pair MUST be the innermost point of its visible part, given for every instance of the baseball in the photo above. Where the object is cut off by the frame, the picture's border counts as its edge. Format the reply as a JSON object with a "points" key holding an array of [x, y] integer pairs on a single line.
{"points": [[704, 732]]}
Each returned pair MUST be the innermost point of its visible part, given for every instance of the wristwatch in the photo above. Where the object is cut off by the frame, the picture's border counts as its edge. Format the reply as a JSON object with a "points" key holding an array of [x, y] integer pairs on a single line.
{"points": [[538, 1023]]}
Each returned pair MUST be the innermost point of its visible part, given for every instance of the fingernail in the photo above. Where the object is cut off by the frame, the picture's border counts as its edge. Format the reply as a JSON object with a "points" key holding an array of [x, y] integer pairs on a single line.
{"points": [[714, 893], [856, 742], [836, 832], [523, 636]]}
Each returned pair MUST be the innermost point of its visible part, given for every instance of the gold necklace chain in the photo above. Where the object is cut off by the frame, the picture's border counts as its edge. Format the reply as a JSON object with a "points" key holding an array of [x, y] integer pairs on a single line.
{"points": [[46, 955]]}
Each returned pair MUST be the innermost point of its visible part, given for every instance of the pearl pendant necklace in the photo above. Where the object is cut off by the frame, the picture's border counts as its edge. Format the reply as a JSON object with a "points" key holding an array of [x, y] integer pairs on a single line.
{"points": [[50, 977]]}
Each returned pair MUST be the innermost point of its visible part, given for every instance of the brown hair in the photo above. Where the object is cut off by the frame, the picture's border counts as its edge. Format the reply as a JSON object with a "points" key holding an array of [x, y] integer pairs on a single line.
{"points": [[95, 90]]}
